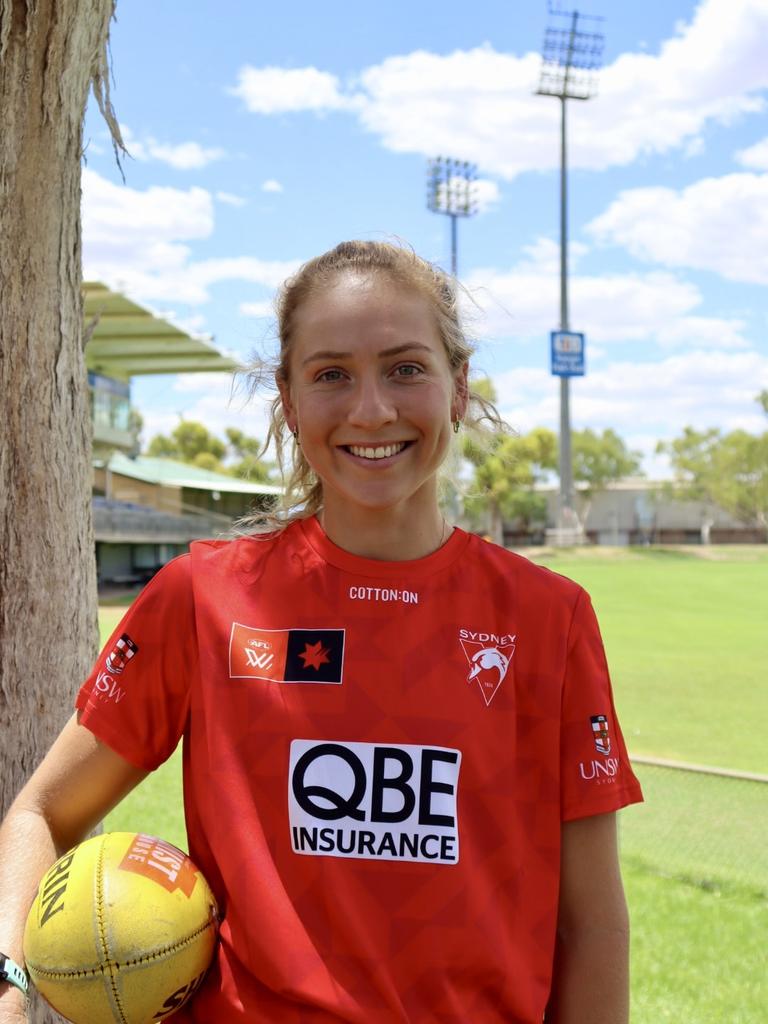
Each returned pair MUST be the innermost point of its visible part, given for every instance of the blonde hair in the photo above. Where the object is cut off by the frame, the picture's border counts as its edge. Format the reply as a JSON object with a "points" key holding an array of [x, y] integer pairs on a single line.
{"points": [[303, 493]]}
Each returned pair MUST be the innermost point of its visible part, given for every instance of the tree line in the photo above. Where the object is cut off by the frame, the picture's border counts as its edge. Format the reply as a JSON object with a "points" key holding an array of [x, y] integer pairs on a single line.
{"points": [[193, 443], [501, 478], [728, 470]]}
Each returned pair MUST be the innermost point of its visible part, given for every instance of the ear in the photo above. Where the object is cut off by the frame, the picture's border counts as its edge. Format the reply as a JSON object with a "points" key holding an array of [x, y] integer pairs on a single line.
{"points": [[288, 409], [460, 392]]}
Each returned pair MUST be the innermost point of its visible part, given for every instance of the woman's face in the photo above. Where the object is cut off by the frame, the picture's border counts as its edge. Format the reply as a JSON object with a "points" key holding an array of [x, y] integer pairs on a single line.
{"points": [[372, 394]]}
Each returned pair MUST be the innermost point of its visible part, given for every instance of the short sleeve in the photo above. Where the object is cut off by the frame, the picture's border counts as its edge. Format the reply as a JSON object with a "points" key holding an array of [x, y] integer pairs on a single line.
{"points": [[136, 699], [595, 770]]}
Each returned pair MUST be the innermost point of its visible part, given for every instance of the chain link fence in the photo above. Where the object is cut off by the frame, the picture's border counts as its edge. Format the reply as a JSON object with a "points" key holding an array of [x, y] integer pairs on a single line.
{"points": [[706, 826]]}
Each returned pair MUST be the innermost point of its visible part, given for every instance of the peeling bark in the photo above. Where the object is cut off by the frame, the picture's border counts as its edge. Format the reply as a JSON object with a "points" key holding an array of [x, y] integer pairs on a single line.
{"points": [[51, 51]]}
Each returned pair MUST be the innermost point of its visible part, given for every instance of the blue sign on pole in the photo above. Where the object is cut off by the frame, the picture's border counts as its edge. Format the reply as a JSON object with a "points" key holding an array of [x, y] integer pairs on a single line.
{"points": [[567, 353]]}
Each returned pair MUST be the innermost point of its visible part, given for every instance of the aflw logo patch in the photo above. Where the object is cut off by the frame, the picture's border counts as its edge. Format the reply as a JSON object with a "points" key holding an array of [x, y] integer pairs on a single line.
{"points": [[373, 801], [286, 655], [489, 656]]}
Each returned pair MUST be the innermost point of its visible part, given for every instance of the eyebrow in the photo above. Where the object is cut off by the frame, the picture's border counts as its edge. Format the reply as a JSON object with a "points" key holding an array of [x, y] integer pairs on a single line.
{"points": [[396, 351]]}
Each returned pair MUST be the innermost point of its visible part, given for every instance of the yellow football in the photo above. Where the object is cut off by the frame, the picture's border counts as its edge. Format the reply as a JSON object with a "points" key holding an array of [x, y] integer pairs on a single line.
{"points": [[123, 929]]}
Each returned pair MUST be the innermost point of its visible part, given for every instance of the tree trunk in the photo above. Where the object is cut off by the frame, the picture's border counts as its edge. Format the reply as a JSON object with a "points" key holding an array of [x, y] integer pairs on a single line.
{"points": [[50, 52], [495, 522]]}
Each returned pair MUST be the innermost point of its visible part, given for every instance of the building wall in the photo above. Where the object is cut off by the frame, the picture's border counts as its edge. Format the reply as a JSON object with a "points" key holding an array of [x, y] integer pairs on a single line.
{"points": [[133, 563], [125, 488], [644, 513], [113, 561], [232, 504]]}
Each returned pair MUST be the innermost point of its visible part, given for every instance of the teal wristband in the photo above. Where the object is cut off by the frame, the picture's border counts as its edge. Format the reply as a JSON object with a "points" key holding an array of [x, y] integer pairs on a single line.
{"points": [[13, 974]]}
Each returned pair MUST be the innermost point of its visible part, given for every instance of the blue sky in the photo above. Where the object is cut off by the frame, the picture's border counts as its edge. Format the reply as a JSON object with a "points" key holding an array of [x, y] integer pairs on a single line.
{"points": [[262, 136]]}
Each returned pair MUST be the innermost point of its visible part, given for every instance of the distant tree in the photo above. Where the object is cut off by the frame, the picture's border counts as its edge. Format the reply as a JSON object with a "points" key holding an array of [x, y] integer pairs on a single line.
{"points": [[693, 460], [162, 447], [135, 427], [188, 440], [743, 477], [598, 460], [241, 444], [193, 443], [729, 471], [206, 460], [505, 477], [507, 470], [693, 457], [247, 450], [762, 398]]}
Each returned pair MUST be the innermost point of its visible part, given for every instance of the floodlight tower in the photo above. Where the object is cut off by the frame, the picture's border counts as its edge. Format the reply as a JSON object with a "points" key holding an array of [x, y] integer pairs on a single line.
{"points": [[451, 189], [571, 60]]}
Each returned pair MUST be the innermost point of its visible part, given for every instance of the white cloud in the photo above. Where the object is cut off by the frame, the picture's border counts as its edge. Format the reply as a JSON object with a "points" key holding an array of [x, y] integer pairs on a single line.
{"points": [[215, 399], [700, 331], [92, 148], [273, 90], [196, 325], [656, 307], [117, 215], [184, 156], [716, 224], [271, 186], [257, 309], [755, 157], [476, 104], [487, 194], [480, 105], [270, 273], [231, 199], [700, 388], [134, 240]]}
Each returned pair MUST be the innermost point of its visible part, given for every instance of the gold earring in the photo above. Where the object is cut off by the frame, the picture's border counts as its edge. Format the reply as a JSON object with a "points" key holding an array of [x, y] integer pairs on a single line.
{"points": [[456, 425], [296, 435]]}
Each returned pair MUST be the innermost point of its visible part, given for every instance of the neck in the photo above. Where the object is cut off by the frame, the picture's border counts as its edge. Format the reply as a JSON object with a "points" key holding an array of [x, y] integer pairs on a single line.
{"points": [[384, 536]]}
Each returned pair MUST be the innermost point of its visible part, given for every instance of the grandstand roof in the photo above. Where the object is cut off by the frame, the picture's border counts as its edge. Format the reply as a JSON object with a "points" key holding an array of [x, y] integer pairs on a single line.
{"points": [[131, 341], [171, 473]]}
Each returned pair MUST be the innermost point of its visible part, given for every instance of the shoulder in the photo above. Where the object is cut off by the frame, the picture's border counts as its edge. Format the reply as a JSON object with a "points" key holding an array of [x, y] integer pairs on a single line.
{"points": [[239, 554], [173, 579], [491, 561]]}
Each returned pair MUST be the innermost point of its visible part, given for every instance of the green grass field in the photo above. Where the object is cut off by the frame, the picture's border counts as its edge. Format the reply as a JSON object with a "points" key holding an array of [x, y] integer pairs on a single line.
{"points": [[687, 641]]}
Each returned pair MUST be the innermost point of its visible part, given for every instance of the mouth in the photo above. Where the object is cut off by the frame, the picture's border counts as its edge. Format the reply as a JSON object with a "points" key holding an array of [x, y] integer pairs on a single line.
{"points": [[376, 453]]}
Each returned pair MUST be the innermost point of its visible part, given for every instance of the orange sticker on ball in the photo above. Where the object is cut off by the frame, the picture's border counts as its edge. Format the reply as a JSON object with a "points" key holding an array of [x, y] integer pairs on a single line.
{"points": [[162, 863]]}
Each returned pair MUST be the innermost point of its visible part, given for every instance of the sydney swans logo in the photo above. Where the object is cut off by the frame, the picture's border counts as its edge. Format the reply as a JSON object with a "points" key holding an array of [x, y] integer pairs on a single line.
{"points": [[489, 656]]}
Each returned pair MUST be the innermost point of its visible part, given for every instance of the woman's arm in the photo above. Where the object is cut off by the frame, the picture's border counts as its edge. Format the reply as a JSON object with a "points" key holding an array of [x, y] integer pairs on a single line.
{"points": [[590, 984], [78, 782]]}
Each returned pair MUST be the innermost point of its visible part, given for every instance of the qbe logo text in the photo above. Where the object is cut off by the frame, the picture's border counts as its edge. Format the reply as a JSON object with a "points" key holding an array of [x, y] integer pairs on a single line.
{"points": [[374, 801]]}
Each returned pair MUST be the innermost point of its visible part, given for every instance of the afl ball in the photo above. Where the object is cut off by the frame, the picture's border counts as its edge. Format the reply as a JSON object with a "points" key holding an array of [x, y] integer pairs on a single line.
{"points": [[122, 929]]}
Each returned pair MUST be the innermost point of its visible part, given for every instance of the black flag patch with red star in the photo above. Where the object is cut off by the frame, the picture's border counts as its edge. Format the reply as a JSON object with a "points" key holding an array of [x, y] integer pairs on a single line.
{"points": [[286, 655]]}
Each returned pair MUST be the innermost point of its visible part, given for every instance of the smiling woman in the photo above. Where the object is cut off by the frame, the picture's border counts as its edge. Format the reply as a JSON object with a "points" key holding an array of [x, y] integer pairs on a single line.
{"points": [[374, 419], [401, 756]]}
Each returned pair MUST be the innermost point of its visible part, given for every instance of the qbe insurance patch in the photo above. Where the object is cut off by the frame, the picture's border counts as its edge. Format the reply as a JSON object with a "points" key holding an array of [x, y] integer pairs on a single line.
{"points": [[374, 801]]}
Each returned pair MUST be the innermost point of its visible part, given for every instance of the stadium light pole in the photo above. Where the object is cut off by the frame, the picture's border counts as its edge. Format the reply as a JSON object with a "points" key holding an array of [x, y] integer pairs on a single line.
{"points": [[571, 60], [451, 190]]}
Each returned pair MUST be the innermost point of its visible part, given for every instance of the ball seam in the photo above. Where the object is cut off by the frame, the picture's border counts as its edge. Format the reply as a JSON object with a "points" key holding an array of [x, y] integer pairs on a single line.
{"points": [[146, 958], [102, 932]]}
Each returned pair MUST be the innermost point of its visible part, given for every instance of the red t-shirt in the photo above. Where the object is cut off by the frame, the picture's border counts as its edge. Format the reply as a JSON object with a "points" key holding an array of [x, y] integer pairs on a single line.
{"points": [[378, 757]]}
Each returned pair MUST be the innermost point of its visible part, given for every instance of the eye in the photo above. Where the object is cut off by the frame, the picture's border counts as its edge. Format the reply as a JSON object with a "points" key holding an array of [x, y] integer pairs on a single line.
{"points": [[329, 376], [407, 370]]}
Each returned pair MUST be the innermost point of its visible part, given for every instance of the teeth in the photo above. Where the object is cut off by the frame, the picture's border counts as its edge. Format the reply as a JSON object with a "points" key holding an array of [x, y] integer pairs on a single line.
{"points": [[376, 453]]}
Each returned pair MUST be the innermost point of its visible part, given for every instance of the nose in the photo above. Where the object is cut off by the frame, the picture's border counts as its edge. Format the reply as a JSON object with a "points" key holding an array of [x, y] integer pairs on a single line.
{"points": [[371, 408]]}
